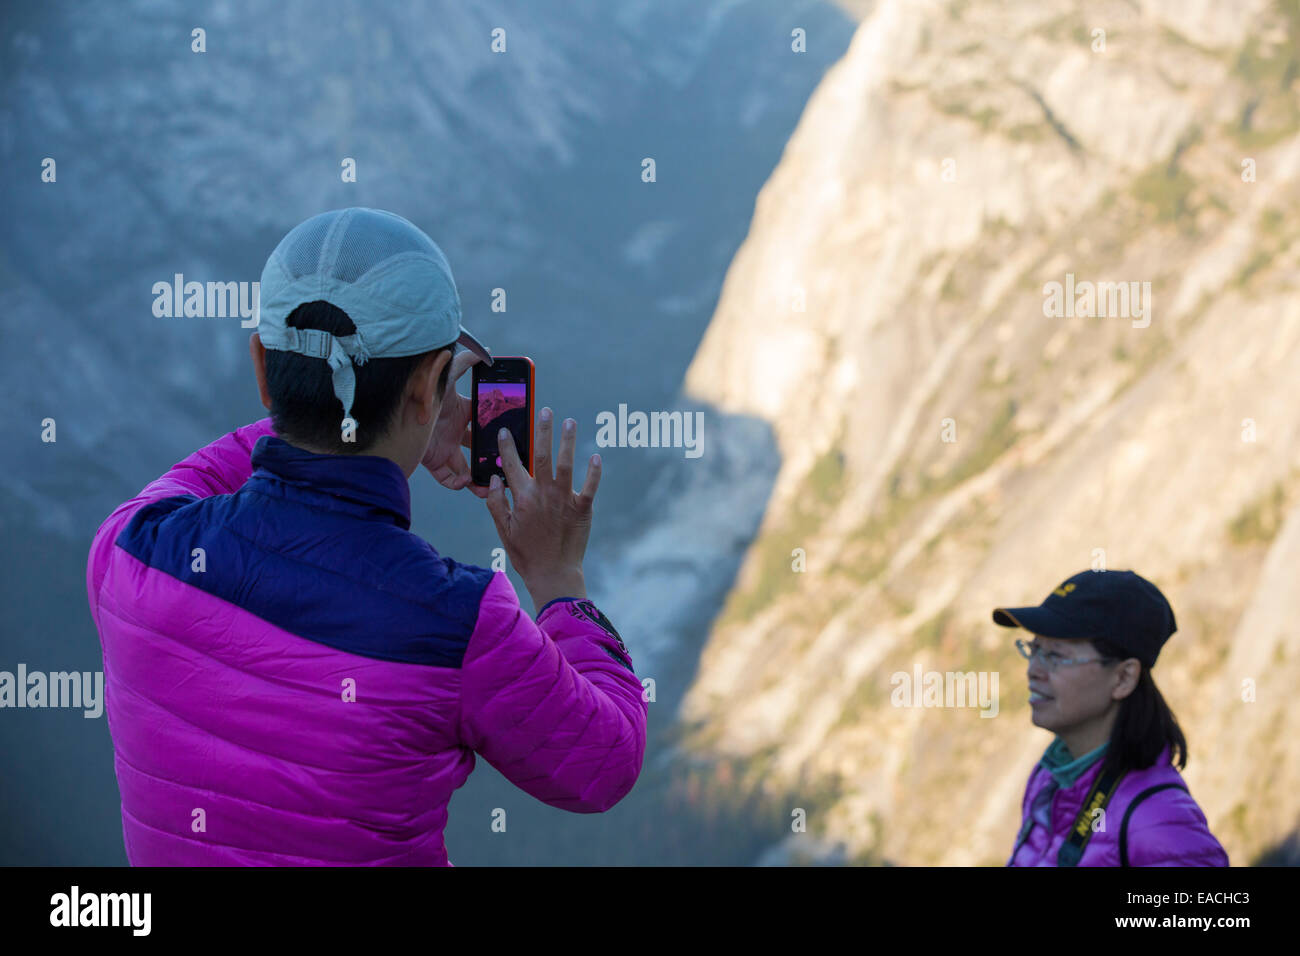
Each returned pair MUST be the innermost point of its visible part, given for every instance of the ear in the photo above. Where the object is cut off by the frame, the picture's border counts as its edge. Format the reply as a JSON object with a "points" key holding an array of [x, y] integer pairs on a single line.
{"points": [[424, 385], [1127, 673], [258, 352]]}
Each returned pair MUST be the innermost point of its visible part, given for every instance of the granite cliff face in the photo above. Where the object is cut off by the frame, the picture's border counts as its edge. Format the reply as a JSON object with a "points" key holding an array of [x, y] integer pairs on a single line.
{"points": [[947, 445], [494, 402]]}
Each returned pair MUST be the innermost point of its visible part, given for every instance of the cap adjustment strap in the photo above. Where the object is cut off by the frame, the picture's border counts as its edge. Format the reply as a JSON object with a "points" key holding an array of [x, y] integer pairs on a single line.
{"points": [[340, 351], [343, 349]]}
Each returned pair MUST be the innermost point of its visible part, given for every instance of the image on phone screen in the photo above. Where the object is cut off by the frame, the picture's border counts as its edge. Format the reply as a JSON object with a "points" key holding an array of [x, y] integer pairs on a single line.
{"points": [[497, 405]]}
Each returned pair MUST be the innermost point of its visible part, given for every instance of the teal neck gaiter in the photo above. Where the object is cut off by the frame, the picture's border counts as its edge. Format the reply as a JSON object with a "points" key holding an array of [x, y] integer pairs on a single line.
{"points": [[1065, 767]]}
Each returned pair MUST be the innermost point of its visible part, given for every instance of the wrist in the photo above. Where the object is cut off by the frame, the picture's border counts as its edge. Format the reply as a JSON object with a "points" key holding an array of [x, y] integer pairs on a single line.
{"points": [[571, 584]]}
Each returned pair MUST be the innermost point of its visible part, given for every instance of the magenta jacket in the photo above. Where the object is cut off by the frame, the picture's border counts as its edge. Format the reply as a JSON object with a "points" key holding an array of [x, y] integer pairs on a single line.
{"points": [[1166, 828], [293, 677]]}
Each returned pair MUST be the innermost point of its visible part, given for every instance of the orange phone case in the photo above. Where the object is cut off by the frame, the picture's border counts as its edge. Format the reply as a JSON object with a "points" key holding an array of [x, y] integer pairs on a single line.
{"points": [[532, 418]]}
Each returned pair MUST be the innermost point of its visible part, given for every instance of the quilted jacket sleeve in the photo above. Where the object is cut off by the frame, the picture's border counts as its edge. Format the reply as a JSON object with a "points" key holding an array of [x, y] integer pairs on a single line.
{"points": [[1169, 829], [554, 705], [216, 469]]}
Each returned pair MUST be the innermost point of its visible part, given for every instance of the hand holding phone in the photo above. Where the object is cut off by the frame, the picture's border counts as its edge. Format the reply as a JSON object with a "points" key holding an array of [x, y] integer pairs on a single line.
{"points": [[444, 457]]}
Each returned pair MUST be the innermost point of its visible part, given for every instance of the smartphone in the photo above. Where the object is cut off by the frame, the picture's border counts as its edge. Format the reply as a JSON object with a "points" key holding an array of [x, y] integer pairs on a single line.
{"points": [[502, 397]]}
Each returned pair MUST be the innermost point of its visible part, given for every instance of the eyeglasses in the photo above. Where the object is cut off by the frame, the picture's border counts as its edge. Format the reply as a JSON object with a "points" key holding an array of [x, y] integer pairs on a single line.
{"points": [[1052, 660]]}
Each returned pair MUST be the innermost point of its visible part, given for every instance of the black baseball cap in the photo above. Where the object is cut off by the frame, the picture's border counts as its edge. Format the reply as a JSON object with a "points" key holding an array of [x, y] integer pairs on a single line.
{"points": [[1116, 606]]}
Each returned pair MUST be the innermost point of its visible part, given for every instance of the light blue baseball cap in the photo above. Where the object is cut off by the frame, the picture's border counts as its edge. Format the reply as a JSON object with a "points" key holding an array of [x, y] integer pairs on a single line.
{"points": [[388, 276]]}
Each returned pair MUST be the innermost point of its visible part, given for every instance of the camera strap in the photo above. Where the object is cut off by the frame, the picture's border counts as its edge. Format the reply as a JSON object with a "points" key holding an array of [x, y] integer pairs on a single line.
{"points": [[1103, 788]]}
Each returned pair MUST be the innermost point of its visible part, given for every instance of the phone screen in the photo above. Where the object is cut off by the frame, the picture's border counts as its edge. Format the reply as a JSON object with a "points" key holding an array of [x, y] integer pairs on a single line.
{"points": [[502, 398]]}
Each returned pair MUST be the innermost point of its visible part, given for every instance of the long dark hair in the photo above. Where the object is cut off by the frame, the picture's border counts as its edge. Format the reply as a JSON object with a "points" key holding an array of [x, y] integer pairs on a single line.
{"points": [[1144, 725]]}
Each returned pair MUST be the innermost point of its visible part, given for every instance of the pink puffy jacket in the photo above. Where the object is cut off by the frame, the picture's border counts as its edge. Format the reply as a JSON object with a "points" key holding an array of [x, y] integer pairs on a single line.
{"points": [[1166, 828], [293, 677]]}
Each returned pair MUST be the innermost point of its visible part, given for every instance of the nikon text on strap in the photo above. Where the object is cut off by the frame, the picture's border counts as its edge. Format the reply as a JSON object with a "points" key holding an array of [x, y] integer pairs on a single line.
{"points": [[1103, 789]]}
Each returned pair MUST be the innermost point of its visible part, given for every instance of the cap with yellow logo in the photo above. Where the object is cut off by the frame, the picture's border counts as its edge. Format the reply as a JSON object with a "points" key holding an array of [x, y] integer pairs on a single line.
{"points": [[1117, 606]]}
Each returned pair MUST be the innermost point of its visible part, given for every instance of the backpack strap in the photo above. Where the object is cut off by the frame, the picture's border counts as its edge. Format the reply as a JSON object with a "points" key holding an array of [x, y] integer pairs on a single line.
{"points": [[1027, 811], [1123, 827]]}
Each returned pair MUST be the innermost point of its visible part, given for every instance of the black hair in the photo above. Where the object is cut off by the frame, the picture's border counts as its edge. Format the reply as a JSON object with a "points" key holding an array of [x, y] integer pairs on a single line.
{"points": [[304, 408], [1144, 725]]}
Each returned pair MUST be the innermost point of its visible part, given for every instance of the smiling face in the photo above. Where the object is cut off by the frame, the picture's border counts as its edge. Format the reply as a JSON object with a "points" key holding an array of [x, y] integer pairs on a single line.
{"points": [[1077, 701]]}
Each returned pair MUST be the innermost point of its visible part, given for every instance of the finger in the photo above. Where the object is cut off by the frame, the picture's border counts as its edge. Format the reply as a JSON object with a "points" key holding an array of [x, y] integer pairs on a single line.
{"points": [[449, 476], [588, 494], [460, 364], [464, 477], [564, 464], [499, 508], [516, 473], [467, 438], [458, 465], [542, 453]]}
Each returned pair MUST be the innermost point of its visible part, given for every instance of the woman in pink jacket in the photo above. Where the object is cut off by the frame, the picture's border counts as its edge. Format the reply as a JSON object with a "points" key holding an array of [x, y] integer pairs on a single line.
{"points": [[292, 675], [1107, 791]]}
